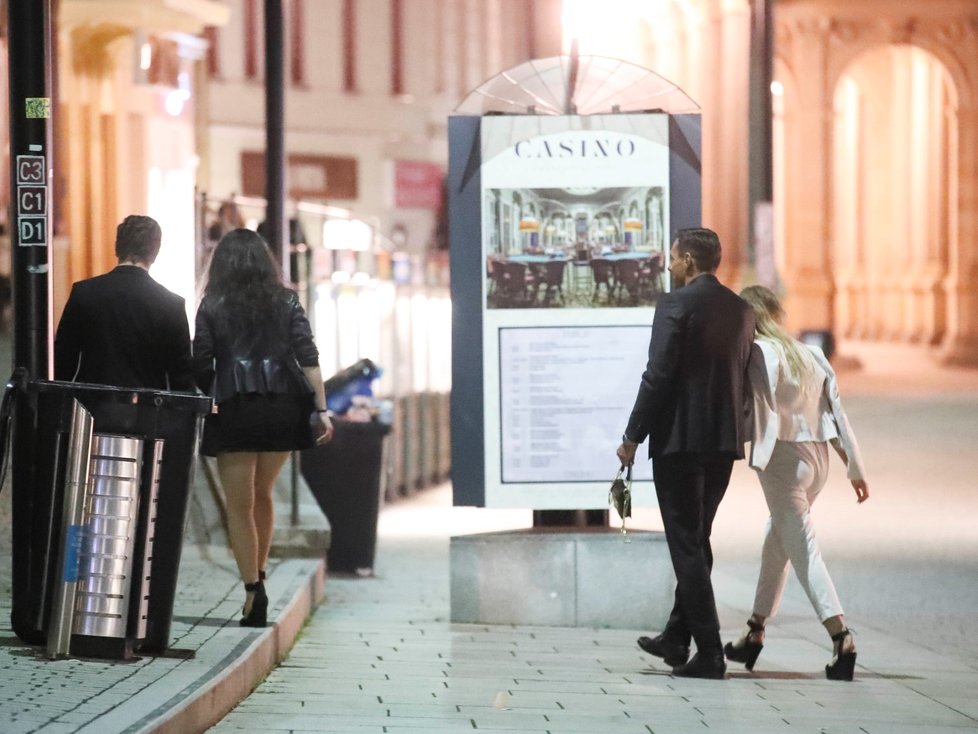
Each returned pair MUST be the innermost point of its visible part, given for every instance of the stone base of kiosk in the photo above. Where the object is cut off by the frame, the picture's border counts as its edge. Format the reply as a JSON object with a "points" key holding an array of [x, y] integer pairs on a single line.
{"points": [[563, 578]]}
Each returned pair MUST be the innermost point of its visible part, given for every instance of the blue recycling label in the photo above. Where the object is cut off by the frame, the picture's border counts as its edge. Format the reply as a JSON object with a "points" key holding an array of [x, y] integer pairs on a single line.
{"points": [[73, 545]]}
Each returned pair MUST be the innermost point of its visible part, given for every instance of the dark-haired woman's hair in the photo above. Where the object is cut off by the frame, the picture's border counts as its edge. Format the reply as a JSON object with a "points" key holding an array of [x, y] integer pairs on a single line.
{"points": [[243, 279]]}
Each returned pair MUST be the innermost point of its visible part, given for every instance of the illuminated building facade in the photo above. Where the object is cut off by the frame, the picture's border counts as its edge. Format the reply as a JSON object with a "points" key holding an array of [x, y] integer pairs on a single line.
{"points": [[875, 220]]}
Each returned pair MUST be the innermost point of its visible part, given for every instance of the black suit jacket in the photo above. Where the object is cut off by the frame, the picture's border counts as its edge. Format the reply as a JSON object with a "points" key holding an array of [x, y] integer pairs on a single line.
{"points": [[693, 392], [124, 329]]}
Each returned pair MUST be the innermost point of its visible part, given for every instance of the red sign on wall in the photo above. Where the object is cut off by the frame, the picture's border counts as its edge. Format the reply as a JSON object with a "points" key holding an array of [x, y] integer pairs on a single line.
{"points": [[417, 185]]}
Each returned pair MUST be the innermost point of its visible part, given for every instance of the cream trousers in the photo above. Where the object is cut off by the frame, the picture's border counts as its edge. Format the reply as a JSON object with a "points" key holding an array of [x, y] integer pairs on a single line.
{"points": [[792, 480]]}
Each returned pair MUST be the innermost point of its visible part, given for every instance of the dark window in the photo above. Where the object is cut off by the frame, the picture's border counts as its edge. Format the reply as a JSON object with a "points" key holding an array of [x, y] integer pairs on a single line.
{"points": [[213, 55], [462, 41], [251, 39], [397, 47], [439, 39], [298, 51], [349, 46]]}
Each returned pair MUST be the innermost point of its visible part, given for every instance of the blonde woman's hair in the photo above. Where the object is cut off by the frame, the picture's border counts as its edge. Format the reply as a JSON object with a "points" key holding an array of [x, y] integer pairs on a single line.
{"points": [[768, 314]]}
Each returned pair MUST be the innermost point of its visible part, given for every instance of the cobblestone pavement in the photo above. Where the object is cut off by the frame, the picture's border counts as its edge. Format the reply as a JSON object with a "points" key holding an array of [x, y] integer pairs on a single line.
{"points": [[65, 695], [167, 693], [381, 656]]}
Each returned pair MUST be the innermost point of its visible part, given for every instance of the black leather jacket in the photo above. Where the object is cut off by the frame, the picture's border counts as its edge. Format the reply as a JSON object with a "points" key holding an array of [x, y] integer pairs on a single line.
{"points": [[264, 361]]}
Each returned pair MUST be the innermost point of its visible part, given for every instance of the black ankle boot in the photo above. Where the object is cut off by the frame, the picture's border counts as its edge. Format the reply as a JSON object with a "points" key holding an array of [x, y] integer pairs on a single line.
{"points": [[258, 615], [704, 664], [672, 652], [746, 650], [843, 662]]}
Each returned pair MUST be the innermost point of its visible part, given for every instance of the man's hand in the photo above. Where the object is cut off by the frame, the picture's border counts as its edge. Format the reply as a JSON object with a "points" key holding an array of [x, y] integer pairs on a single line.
{"points": [[626, 453], [861, 489]]}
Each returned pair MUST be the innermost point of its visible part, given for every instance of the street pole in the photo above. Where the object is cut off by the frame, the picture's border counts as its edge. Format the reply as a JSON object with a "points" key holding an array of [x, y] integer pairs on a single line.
{"points": [[761, 177], [275, 223], [30, 54]]}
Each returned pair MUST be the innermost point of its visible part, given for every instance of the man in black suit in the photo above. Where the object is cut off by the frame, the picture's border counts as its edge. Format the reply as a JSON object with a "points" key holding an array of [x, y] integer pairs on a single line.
{"points": [[691, 405], [123, 328]]}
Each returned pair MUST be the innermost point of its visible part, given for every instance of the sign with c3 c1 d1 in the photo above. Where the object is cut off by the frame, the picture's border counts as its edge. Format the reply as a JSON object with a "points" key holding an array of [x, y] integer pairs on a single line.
{"points": [[32, 200]]}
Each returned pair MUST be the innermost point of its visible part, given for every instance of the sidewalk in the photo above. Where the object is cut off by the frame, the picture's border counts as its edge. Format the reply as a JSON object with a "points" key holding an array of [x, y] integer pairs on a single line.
{"points": [[176, 693], [381, 656]]}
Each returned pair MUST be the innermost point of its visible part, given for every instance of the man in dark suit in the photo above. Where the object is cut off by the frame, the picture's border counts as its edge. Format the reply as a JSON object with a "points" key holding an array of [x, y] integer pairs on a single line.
{"points": [[690, 405], [123, 328]]}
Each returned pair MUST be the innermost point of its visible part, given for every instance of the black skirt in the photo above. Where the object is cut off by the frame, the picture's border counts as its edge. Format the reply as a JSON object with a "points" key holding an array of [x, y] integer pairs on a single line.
{"points": [[257, 422]]}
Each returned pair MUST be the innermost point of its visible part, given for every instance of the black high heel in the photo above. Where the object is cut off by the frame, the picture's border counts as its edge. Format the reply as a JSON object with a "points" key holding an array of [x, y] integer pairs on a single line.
{"points": [[843, 662], [747, 653], [258, 615]]}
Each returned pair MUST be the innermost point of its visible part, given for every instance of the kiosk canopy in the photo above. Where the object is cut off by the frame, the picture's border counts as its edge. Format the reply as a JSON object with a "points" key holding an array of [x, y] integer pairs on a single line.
{"points": [[581, 85]]}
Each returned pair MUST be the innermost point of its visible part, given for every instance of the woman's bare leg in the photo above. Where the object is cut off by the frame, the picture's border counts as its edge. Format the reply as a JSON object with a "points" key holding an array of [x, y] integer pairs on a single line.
{"points": [[269, 465], [237, 472], [835, 625]]}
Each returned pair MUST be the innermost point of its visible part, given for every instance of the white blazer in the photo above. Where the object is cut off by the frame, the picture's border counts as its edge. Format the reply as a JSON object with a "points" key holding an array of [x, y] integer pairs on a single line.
{"points": [[784, 410]]}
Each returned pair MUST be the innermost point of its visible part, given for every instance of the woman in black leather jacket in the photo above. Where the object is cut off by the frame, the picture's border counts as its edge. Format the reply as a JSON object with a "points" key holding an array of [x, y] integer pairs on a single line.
{"points": [[254, 354]]}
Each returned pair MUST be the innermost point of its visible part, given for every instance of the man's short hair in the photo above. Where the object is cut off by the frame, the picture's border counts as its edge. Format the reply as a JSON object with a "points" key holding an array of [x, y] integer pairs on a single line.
{"points": [[138, 237], [703, 245]]}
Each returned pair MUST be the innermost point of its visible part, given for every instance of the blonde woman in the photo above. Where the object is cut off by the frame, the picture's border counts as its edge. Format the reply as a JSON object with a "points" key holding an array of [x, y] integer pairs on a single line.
{"points": [[797, 413]]}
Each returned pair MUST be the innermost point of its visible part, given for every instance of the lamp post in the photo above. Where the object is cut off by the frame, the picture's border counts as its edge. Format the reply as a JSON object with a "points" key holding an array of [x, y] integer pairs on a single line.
{"points": [[761, 176], [275, 222], [275, 134], [30, 53]]}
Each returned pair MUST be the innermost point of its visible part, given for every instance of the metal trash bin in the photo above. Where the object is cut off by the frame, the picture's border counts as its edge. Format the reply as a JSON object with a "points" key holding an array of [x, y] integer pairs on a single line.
{"points": [[105, 580], [344, 477], [140, 462]]}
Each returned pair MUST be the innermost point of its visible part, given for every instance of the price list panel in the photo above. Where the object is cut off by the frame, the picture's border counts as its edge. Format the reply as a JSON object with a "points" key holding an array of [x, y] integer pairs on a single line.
{"points": [[564, 399]]}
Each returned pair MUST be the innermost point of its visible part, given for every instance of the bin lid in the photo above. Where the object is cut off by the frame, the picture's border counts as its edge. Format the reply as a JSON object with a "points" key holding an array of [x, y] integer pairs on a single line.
{"points": [[181, 401]]}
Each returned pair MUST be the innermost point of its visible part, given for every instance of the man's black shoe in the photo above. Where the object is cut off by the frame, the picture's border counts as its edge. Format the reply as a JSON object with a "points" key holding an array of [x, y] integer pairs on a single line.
{"points": [[703, 666], [671, 652]]}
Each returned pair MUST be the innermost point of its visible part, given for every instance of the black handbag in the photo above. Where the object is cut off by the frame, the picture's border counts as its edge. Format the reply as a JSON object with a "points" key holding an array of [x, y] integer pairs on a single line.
{"points": [[620, 495], [305, 392]]}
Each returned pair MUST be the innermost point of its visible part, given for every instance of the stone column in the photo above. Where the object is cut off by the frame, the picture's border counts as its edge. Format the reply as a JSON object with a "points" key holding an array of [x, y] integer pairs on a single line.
{"points": [[724, 103], [925, 313], [89, 103], [802, 41], [960, 345]]}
